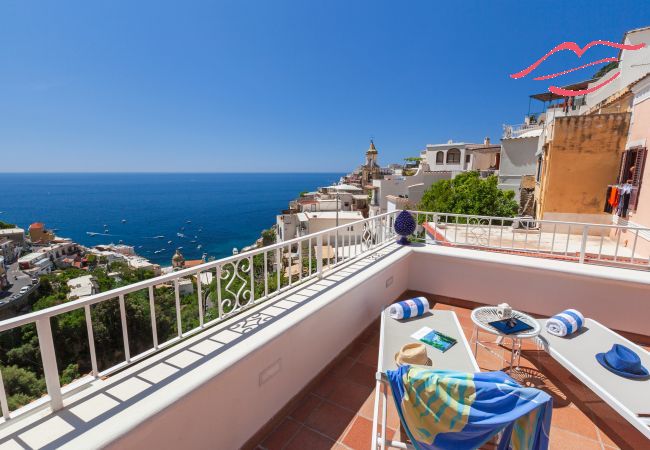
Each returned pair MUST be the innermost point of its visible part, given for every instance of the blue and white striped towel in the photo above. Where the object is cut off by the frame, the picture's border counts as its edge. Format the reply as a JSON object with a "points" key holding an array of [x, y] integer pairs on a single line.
{"points": [[567, 322], [409, 308]]}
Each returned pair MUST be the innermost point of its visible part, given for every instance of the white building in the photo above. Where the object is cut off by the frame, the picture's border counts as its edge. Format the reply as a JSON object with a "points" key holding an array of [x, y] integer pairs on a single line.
{"points": [[408, 187], [30, 260], [9, 250], [518, 156], [109, 256], [290, 226], [633, 65], [60, 249], [452, 157], [16, 235], [82, 287], [185, 287], [142, 263], [126, 250]]}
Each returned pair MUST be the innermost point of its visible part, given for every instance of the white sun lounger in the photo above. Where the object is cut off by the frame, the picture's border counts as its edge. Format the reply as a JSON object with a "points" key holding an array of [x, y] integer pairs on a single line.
{"points": [[577, 353], [393, 335]]}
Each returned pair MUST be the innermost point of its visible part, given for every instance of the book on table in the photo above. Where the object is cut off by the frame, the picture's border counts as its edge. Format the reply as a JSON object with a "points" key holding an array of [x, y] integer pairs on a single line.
{"points": [[510, 326]]}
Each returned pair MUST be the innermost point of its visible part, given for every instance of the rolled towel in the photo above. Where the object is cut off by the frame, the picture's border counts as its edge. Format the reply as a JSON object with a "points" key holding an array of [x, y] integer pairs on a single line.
{"points": [[406, 309], [567, 322]]}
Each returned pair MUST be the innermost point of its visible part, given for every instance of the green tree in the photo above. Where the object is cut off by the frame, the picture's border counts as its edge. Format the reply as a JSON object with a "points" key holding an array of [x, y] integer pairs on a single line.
{"points": [[268, 237], [5, 225], [468, 193], [92, 260], [21, 385]]}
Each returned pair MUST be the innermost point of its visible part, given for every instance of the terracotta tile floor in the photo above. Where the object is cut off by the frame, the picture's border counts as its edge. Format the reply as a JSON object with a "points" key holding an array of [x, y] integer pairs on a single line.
{"points": [[338, 411]]}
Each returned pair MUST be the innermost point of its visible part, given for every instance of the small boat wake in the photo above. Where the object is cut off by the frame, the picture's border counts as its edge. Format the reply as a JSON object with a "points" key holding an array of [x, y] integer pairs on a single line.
{"points": [[94, 233]]}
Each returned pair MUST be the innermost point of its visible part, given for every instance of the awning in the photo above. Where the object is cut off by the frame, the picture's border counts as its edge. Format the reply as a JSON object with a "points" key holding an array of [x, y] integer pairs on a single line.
{"points": [[549, 96]]}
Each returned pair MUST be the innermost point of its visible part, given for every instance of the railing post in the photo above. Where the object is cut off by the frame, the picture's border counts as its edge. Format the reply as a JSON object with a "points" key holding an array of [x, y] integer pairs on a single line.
{"points": [[199, 294], [319, 255], [50, 369], [583, 244], [435, 229]]}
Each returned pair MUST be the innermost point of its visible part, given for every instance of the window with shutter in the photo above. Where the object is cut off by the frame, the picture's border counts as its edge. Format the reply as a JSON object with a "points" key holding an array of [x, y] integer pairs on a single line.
{"points": [[639, 162], [637, 176], [631, 169]]}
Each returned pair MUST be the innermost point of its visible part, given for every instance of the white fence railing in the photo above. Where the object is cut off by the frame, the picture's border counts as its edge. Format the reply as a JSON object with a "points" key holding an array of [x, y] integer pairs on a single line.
{"points": [[223, 288], [234, 284], [514, 131], [576, 241]]}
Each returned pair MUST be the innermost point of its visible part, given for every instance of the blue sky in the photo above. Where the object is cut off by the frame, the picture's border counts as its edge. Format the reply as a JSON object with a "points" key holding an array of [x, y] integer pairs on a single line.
{"points": [[275, 86]]}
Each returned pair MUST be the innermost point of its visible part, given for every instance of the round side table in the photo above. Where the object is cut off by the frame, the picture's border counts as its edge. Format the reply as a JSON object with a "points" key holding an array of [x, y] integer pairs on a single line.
{"points": [[481, 317]]}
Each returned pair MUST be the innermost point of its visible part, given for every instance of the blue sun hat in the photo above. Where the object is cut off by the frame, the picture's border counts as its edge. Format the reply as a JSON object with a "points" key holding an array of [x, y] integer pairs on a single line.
{"points": [[623, 361]]}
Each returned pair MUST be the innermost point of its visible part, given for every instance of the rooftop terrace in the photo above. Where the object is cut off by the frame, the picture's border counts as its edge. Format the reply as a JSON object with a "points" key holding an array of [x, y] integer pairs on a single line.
{"points": [[292, 365]]}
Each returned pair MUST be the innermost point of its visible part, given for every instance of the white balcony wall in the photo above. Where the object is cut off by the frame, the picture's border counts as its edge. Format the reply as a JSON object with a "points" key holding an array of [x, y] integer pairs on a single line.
{"points": [[617, 298]]}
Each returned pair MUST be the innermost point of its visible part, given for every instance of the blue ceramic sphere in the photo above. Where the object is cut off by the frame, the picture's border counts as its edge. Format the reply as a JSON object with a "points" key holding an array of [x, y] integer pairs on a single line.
{"points": [[404, 226]]}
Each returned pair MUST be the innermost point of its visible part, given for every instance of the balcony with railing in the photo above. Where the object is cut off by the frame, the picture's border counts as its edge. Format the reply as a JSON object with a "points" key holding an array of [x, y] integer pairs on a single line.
{"points": [[512, 131], [286, 358]]}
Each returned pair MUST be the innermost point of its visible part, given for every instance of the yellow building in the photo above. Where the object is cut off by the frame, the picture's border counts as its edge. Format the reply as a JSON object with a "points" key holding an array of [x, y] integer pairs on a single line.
{"points": [[579, 158], [584, 138]]}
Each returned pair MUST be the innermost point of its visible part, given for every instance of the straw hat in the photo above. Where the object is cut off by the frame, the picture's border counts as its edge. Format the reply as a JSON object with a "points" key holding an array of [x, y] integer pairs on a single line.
{"points": [[414, 353]]}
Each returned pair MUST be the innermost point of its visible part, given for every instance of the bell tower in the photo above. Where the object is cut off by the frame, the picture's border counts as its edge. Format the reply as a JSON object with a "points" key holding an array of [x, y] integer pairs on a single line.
{"points": [[371, 155]]}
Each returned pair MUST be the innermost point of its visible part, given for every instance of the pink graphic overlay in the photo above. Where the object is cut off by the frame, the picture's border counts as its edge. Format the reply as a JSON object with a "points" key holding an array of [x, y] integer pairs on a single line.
{"points": [[579, 51]]}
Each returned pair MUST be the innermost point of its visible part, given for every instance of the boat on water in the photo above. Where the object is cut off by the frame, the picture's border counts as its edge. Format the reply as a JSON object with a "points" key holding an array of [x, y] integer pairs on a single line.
{"points": [[198, 247], [169, 242], [159, 237], [192, 242], [123, 220], [188, 221], [180, 235], [92, 233]]}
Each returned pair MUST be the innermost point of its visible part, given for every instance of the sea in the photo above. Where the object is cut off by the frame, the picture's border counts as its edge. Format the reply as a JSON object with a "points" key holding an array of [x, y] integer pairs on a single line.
{"points": [[203, 213]]}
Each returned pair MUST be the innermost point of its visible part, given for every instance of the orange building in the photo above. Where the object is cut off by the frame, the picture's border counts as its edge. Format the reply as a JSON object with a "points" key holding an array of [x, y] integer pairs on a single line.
{"points": [[38, 234]]}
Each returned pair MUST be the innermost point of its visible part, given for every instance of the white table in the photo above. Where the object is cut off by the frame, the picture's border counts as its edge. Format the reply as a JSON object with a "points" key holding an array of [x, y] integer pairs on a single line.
{"points": [[481, 317]]}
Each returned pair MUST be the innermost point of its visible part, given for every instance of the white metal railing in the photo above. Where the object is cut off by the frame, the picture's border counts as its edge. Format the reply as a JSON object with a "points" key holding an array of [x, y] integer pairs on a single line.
{"points": [[241, 282], [247, 279], [576, 241], [513, 131]]}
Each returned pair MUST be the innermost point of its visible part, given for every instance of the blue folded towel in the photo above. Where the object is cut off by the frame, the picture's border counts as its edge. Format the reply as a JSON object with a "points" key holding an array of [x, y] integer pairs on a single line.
{"points": [[567, 322], [406, 309]]}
